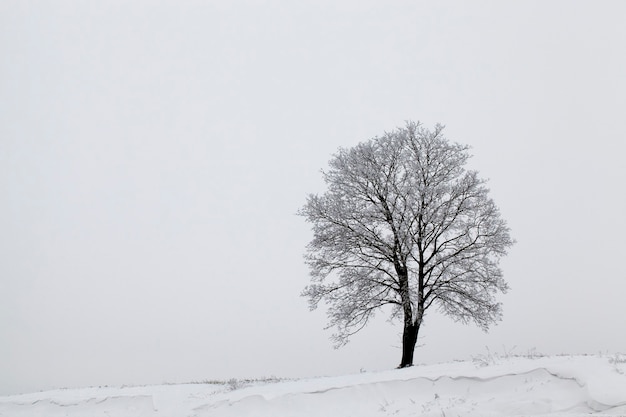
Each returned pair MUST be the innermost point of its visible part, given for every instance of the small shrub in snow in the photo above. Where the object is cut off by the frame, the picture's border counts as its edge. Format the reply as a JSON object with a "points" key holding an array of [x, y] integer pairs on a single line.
{"points": [[483, 360], [617, 360], [493, 358], [533, 354], [486, 359], [234, 384]]}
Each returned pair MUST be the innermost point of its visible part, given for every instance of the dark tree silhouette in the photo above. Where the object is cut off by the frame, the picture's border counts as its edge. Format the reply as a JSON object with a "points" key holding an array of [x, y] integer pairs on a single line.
{"points": [[404, 224]]}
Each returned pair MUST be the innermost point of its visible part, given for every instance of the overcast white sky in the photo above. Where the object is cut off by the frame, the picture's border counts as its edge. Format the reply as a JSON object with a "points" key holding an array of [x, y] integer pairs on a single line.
{"points": [[153, 155]]}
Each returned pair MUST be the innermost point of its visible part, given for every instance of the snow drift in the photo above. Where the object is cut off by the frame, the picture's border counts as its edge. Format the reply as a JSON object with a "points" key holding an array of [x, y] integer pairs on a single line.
{"points": [[514, 386]]}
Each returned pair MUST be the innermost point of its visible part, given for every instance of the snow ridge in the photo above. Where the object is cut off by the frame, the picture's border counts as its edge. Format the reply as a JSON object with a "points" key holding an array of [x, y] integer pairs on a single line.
{"points": [[550, 386]]}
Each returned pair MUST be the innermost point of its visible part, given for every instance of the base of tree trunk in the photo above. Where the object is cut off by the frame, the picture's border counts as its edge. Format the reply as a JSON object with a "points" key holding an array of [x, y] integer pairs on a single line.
{"points": [[409, 339]]}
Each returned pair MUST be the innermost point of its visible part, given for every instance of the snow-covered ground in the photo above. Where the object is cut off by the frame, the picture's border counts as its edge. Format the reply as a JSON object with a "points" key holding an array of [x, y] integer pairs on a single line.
{"points": [[485, 386]]}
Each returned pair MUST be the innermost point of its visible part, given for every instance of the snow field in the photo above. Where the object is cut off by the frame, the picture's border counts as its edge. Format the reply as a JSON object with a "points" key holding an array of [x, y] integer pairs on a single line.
{"points": [[549, 386]]}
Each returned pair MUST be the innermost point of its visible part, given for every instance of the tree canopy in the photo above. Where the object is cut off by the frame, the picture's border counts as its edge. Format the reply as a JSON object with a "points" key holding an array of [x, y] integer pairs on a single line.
{"points": [[404, 224]]}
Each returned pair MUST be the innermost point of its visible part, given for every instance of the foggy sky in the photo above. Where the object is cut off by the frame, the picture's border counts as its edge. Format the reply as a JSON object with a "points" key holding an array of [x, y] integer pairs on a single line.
{"points": [[153, 155]]}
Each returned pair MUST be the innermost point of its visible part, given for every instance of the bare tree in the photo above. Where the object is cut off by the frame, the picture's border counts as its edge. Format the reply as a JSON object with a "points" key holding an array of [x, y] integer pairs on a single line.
{"points": [[404, 224]]}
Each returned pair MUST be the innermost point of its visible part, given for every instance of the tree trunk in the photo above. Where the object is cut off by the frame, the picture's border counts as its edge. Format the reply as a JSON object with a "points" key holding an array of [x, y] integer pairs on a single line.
{"points": [[409, 339], [409, 336], [412, 328]]}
